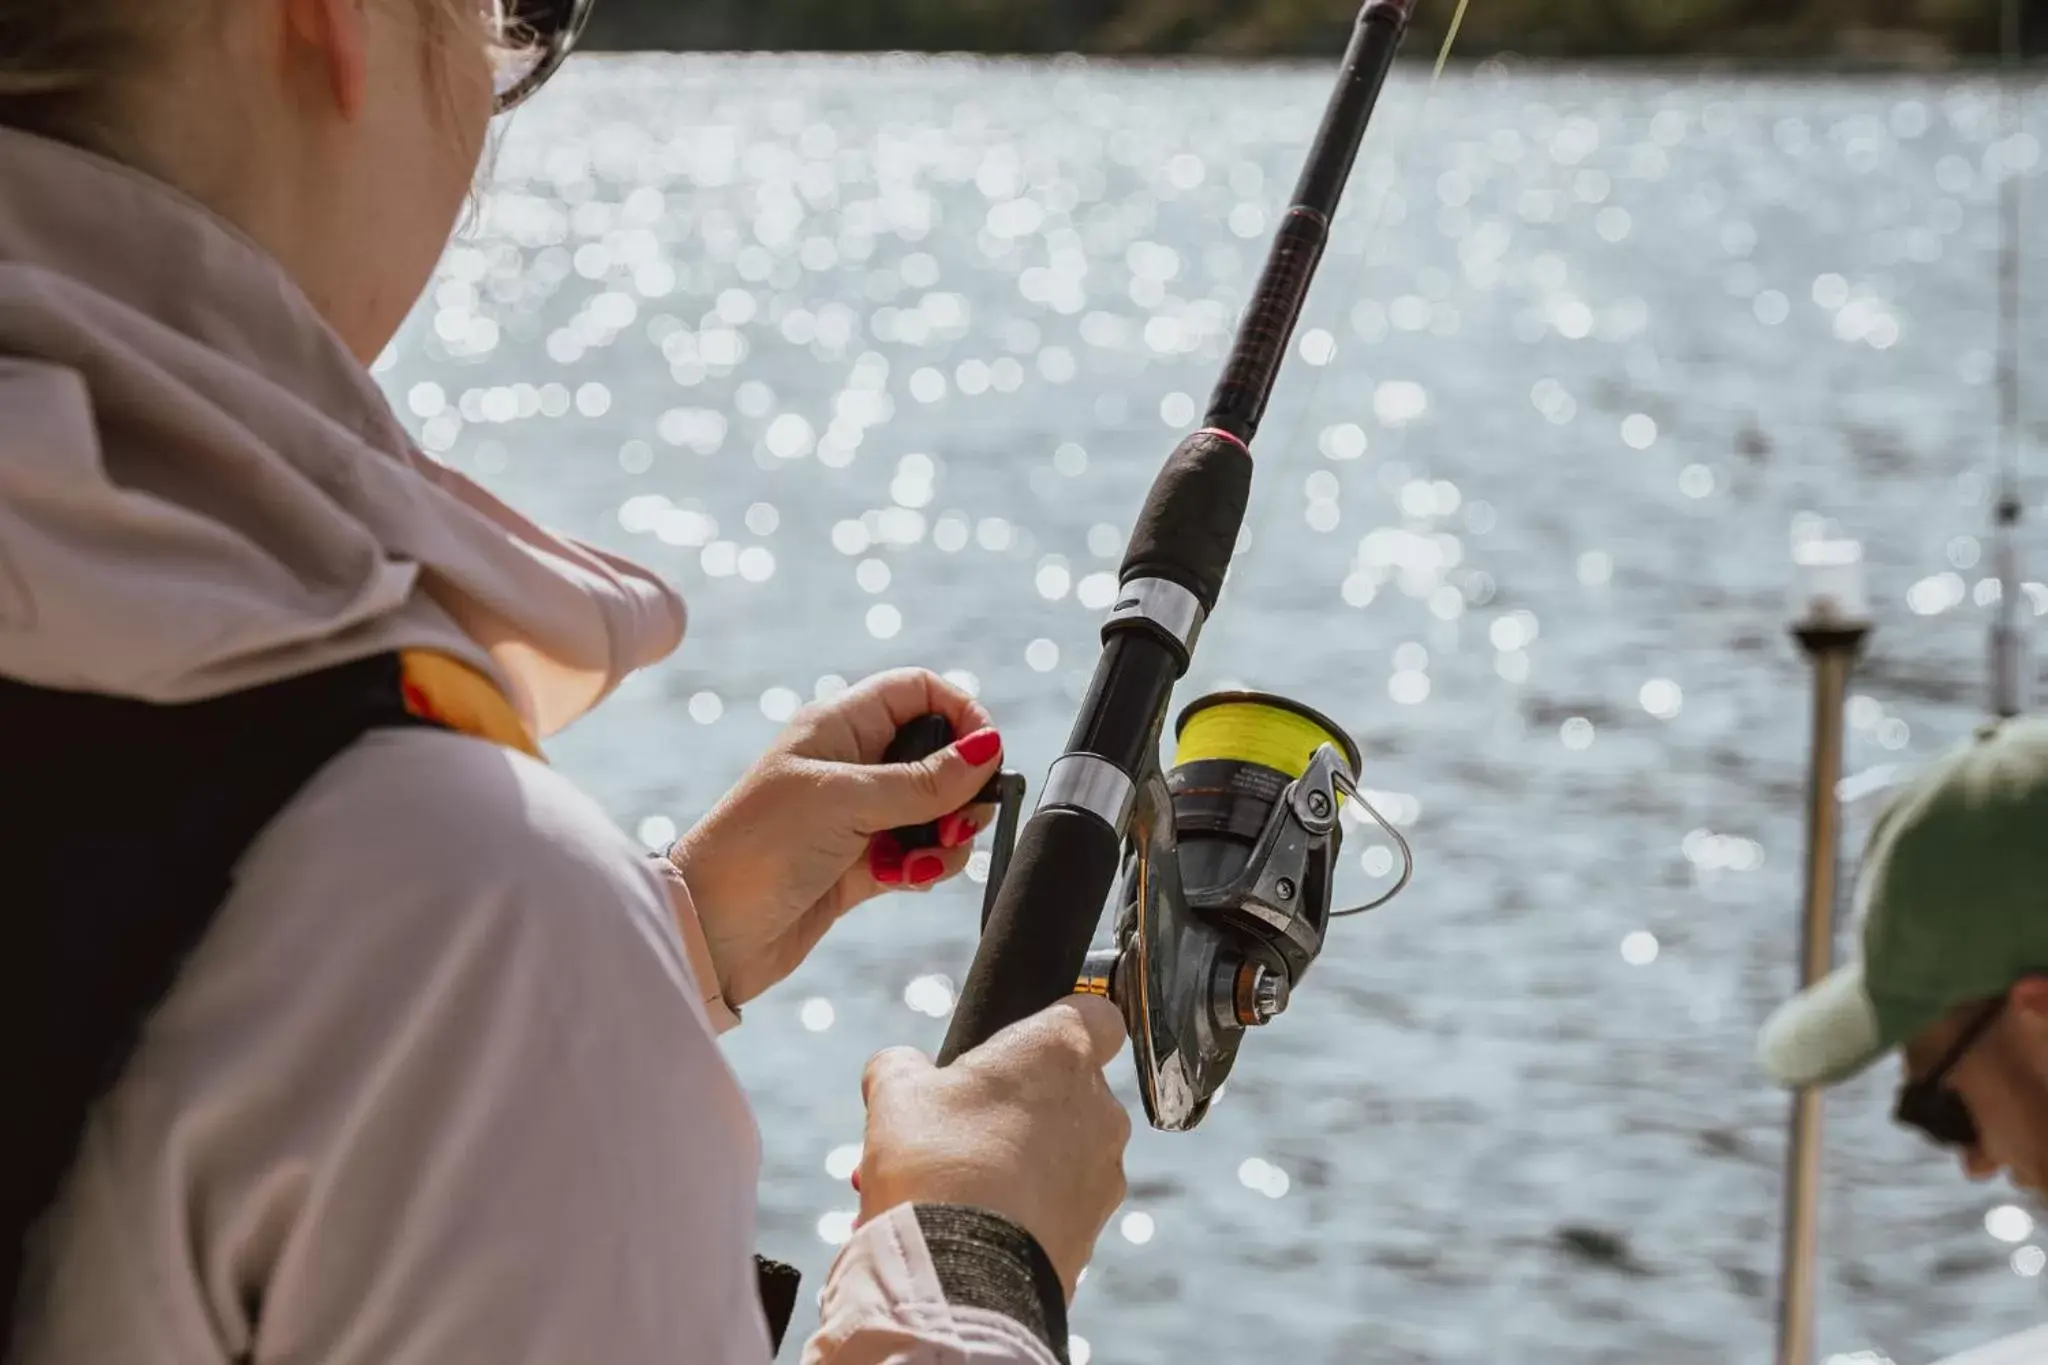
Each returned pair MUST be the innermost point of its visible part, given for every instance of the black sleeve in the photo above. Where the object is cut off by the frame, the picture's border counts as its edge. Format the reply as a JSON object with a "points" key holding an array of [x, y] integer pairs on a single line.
{"points": [[986, 1261]]}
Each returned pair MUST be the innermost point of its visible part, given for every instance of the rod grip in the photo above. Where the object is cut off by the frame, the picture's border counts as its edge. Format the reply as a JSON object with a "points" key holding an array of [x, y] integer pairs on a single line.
{"points": [[1188, 528], [1038, 933]]}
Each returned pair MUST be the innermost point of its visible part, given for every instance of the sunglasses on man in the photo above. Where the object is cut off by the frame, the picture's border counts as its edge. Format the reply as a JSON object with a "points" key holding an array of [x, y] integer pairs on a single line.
{"points": [[1931, 1105], [535, 38]]}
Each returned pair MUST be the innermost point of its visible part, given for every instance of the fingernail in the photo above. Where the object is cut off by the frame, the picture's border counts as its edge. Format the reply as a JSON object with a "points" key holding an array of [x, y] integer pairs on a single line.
{"points": [[924, 868], [979, 747], [885, 860], [957, 829], [856, 1180]]}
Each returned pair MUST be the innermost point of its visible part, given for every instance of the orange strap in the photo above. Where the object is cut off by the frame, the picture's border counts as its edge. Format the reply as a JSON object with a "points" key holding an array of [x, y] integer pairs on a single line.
{"points": [[443, 689]]}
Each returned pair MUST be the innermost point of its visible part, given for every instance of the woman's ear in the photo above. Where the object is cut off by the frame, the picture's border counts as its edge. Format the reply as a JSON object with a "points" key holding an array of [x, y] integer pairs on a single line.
{"points": [[330, 38], [2027, 1039], [2028, 997]]}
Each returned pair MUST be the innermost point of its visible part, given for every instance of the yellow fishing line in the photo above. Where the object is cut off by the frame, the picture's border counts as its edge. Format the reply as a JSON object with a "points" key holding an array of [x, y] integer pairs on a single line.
{"points": [[1247, 732]]}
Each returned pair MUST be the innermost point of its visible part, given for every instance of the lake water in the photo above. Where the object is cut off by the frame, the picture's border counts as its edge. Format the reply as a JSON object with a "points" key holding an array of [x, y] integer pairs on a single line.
{"points": [[875, 359]]}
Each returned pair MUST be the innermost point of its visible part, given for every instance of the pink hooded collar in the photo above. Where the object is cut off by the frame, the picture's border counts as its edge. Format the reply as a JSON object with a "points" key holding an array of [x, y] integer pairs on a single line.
{"points": [[201, 490]]}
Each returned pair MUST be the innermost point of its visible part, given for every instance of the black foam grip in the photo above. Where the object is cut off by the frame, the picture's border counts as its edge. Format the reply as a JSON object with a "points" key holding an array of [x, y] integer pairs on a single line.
{"points": [[1039, 931], [1191, 518]]}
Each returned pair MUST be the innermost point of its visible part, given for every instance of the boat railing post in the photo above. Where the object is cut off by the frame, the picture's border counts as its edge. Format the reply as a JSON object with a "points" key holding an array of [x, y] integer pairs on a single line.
{"points": [[1831, 622]]}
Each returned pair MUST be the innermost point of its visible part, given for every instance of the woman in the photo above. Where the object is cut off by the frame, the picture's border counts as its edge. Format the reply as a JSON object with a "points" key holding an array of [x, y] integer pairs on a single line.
{"points": [[338, 1027]]}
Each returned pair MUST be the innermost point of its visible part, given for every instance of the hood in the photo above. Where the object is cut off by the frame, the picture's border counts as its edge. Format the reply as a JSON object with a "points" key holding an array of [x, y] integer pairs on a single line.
{"points": [[202, 490]]}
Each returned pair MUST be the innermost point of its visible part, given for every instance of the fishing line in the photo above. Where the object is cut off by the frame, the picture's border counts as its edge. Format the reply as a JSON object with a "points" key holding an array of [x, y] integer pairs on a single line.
{"points": [[1284, 453], [1444, 53]]}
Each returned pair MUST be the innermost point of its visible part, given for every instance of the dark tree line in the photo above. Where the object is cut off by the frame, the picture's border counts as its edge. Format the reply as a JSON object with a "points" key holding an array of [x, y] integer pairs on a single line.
{"points": [[1851, 30]]}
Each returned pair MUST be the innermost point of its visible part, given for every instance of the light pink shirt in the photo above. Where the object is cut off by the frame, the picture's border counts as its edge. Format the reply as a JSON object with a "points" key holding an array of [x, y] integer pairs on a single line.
{"points": [[441, 1084]]}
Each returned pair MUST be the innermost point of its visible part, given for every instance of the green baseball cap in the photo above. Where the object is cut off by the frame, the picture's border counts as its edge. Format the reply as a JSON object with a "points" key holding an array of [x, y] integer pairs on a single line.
{"points": [[1953, 897]]}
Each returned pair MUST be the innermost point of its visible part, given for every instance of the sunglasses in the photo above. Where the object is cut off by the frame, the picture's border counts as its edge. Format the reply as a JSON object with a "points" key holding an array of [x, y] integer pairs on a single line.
{"points": [[1933, 1106], [535, 38]]}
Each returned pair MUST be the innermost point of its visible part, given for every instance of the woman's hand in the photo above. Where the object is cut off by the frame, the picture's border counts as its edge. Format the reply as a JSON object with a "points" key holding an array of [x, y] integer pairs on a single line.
{"points": [[1024, 1126], [802, 839]]}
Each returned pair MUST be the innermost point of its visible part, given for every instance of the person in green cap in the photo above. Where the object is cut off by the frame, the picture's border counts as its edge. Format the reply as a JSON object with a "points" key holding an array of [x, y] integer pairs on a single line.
{"points": [[1953, 898]]}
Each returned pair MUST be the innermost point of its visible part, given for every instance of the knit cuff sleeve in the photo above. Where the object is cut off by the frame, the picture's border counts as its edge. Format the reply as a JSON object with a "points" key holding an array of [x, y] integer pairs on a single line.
{"points": [[986, 1261]]}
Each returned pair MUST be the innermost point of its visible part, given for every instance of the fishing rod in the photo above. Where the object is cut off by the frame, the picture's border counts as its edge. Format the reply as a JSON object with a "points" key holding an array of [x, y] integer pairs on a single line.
{"points": [[1228, 860]]}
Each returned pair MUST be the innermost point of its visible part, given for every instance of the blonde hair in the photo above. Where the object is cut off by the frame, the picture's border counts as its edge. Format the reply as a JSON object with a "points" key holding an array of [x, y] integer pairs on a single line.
{"points": [[57, 58]]}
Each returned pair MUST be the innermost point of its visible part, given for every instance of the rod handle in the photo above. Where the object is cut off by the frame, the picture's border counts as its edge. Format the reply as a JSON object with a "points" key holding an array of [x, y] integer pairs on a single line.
{"points": [[1039, 930]]}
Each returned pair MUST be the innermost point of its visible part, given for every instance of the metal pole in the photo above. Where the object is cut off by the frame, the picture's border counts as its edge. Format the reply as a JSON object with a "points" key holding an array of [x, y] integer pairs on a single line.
{"points": [[2012, 664], [1831, 644]]}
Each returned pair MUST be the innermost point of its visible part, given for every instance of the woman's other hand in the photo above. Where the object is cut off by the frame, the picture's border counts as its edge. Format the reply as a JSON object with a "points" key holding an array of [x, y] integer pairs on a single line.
{"points": [[802, 838], [1023, 1126]]}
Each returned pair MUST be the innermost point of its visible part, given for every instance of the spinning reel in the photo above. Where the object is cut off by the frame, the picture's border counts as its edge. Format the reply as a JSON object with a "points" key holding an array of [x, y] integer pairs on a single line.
{"points": [[1225, 893]]}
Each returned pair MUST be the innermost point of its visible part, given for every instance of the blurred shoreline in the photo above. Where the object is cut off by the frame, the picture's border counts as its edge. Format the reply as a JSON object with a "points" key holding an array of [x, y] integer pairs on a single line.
{"points": [[1856, 34], [1788, 68]]}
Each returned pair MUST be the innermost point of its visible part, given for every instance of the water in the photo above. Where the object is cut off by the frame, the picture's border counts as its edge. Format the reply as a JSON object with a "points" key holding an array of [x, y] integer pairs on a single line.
{"points": [[876, 358]]}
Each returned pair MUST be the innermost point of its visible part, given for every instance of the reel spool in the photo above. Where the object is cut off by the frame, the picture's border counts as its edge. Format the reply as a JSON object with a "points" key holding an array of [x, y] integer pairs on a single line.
{"points": [[1227, 889], [1236, 754]]}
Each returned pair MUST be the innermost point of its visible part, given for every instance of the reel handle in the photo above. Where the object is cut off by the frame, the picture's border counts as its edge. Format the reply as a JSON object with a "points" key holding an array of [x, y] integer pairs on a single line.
{"points": [[921, 737], [927, 734]]}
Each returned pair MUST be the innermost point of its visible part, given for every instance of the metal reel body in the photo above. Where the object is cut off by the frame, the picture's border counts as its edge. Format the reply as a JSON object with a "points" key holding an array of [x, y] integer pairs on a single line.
{"points": [[1224, 892], [1223, 906]]}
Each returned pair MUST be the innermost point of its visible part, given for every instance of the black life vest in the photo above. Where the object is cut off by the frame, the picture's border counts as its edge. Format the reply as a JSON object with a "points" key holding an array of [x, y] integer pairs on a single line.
{"points": [[121, 823]]}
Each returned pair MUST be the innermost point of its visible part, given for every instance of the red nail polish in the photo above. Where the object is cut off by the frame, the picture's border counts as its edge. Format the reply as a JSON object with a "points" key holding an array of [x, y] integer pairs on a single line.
{"points": [[924, 868], [885, 860], [957, 829], [979, 747], [856, 1180]]}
